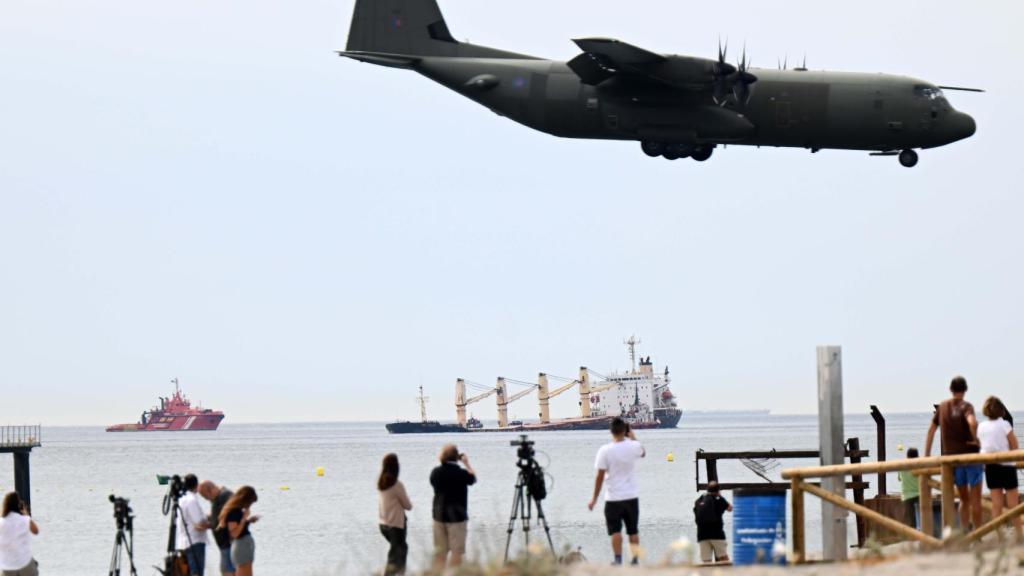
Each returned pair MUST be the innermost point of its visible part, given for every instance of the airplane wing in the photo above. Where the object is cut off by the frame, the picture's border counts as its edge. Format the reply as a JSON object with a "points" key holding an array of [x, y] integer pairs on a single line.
{"points": [[605, 58]]}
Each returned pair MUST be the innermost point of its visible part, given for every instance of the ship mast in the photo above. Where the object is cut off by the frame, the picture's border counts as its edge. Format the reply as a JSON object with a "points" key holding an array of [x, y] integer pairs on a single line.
{"points": [[177, 389], [423, 404], [632, 342]]}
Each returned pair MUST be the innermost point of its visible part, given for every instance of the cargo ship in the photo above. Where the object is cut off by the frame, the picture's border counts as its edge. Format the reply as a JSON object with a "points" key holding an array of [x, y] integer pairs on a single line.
{"points": [[639, 396], [425, 426], [175, 414]]}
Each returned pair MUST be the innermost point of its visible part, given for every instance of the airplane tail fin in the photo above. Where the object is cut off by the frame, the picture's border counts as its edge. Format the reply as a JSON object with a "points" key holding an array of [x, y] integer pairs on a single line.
{"points": [[408, 27]]}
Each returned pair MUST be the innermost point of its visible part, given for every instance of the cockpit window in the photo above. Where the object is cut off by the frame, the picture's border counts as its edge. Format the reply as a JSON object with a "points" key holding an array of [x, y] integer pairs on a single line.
{"points": [[929, 92]]}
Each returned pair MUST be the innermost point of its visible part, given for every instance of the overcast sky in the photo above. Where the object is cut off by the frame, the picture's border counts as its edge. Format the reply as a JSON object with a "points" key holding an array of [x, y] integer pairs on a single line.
{"points": [[205, 190]]}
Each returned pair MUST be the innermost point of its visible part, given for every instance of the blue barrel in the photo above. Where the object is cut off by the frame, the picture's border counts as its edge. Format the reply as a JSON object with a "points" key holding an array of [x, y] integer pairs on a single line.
{"points": [[758, 524]]}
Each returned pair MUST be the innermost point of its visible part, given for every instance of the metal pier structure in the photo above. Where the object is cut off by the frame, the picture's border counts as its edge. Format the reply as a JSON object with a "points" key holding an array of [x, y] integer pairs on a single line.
{"points": [[19, 441]]}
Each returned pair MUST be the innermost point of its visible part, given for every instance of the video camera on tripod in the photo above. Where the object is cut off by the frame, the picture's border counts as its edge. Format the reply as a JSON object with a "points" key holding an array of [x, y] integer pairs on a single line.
{"points": [[175, 487], [529, 491], [124, 539], [529, 467], [175, 562]]}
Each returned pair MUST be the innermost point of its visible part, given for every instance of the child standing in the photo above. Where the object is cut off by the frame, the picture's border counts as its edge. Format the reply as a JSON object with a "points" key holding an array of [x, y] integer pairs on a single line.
{"points": [[910, 493]]}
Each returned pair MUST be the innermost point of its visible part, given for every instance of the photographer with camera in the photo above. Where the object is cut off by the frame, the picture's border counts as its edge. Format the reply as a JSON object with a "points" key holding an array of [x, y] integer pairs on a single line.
{"points": [[616, 462], [16, 530], [194, 524], [451, 496]]}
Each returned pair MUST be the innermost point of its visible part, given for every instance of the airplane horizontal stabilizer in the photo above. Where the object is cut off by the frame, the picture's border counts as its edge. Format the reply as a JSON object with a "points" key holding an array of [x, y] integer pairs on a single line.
{"points": [[381, 59]]}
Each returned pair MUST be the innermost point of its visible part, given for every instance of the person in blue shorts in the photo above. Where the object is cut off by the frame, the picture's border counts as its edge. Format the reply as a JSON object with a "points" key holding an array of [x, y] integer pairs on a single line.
{"points": [[959, 428]]}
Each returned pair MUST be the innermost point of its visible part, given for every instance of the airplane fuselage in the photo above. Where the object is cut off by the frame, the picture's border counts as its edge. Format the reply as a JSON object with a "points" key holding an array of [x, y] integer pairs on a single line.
{"points": [[787, 108], [675, 106]]}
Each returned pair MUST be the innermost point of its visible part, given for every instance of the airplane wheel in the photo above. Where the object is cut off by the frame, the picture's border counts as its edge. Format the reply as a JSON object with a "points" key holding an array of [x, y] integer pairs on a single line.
{"points": [[652, 149], [908, 158], [703, 153], [677, 151]]}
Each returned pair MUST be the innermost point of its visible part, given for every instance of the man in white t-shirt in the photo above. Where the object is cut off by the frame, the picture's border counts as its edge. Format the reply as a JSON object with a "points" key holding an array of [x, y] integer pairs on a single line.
{"points": [[616, 463], [192, 527]]}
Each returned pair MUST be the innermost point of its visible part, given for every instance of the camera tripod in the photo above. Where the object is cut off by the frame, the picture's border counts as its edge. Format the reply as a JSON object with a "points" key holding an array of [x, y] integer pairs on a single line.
{"points": [[522, 507], [123, 542], [174, 562]]}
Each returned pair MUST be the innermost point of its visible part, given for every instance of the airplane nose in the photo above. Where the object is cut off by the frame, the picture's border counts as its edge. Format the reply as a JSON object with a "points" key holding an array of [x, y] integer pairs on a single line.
{"points": [[965, 126]]}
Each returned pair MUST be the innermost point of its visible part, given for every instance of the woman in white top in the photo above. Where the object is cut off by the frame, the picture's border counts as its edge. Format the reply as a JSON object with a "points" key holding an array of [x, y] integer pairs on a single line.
{"points": [[16, 529], [394, 503], [996, 435]]}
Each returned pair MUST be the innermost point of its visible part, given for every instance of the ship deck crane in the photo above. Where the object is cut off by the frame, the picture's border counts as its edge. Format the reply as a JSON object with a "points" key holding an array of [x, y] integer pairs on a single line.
{"points": [[504, 399], [460, 397], [544, 395]]}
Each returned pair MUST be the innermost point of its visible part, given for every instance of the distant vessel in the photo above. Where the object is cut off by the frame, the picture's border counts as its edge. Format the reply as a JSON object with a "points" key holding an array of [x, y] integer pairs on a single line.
{"points": [[174, 414], [425, 426]]}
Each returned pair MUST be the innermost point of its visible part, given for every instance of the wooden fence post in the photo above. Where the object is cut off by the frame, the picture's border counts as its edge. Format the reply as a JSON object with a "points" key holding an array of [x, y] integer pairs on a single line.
{"points": [[948, 499], [925, 504], [799, 537]]}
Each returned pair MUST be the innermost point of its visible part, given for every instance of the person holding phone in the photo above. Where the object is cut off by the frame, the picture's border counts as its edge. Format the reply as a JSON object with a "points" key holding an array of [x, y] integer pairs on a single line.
{"points": [[237, 516], [16, 531], [451, 484], [616, 463]]}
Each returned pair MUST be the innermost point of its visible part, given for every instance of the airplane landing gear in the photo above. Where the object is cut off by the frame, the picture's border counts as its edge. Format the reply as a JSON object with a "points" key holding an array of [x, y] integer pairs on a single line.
{"points": [[677, 151], [702, 153], [653, 149], [908, 158], [674, 151]]}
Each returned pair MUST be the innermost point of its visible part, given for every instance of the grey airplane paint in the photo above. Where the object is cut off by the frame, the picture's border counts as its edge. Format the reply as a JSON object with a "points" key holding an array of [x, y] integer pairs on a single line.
{"points": [[675, 106]]}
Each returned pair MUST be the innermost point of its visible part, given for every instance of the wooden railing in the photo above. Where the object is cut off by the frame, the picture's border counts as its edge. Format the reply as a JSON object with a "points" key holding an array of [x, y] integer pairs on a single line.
{"points": [[924, 469]]}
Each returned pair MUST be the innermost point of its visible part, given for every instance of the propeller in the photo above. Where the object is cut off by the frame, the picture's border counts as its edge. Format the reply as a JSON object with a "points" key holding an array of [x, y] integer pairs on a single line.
{"points": [[743, 79], [722, 72]]}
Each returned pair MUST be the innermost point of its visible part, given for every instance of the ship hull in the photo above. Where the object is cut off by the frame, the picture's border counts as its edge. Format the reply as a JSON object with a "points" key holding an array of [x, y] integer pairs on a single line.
{"points": [[593, 423], [176, 423], [668, 417], [423, 428]]}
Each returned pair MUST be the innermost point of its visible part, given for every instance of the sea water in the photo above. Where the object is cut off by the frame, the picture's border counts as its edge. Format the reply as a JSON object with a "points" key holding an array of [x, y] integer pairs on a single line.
{"points": [[328, 524]]}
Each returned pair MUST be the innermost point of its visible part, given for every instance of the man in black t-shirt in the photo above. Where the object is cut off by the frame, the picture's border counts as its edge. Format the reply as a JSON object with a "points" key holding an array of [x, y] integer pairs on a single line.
{"points": [[218, 497], [451, 495], [708, 512]]}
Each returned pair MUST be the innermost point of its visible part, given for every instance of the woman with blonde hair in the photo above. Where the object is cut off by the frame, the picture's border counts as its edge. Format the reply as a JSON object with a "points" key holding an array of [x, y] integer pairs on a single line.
{"points": [[996, 435], [236, 518], [394, 503]]}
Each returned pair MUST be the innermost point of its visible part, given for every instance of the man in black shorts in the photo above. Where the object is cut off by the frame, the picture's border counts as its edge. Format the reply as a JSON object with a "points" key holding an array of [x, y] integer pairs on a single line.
{"points": [[616, 462]]}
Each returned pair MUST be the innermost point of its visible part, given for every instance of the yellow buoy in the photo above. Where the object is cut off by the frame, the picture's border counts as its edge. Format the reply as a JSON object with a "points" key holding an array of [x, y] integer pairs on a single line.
{"points": [[319, 470], [285, 488], [899, 447], [671, 457]]}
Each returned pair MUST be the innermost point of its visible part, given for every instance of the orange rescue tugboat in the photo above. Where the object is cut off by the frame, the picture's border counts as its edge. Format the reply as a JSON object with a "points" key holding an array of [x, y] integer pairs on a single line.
{"points": [[174, 414]]}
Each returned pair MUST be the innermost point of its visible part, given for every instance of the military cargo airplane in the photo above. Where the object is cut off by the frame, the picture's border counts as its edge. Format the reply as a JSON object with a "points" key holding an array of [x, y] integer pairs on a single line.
{"points": [[675, 106]]}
